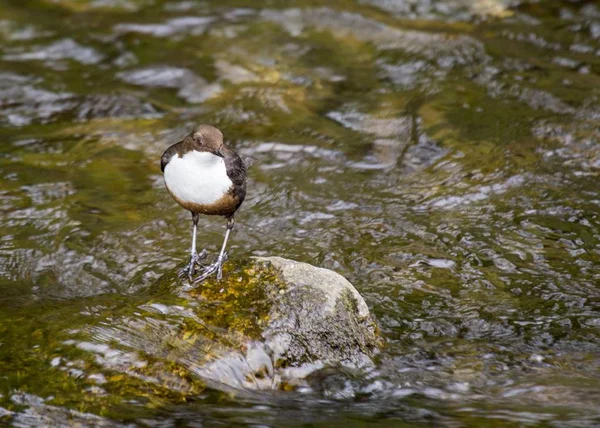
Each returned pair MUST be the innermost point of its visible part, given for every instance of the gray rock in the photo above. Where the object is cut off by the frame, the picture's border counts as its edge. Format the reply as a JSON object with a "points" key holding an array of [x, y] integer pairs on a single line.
{"points": [[269, 324]]}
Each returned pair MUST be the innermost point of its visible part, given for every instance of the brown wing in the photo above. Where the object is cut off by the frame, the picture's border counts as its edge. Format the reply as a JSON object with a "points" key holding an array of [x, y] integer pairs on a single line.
{"points": [[236, 170]]}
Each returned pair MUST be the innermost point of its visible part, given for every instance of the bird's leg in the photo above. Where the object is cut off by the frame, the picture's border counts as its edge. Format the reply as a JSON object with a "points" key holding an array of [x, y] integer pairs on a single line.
{"points": [[195, 257], [190, 269], [223, 254], [218, 265]]}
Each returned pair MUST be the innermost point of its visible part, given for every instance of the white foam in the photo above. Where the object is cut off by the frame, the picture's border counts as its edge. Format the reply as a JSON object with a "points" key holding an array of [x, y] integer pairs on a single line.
{"points": [[197, 177]]}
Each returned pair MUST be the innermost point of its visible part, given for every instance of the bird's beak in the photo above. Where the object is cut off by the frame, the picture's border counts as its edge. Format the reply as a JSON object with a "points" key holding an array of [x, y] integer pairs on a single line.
{"points": [[218, 153]]}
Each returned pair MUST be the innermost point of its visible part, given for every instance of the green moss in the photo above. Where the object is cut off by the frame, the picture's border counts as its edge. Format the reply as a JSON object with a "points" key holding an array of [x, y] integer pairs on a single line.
{"points": [[239, 304]]}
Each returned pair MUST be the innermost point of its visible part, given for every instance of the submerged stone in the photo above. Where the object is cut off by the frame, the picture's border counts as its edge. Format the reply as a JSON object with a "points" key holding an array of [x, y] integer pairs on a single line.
{"points": [[22, 101], [60, 50], [192, 88], [114, 105], [269, 324]]}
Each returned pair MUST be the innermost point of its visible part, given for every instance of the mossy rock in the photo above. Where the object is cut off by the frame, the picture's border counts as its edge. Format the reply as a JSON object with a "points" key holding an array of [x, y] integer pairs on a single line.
{"points": [[268, 324]]}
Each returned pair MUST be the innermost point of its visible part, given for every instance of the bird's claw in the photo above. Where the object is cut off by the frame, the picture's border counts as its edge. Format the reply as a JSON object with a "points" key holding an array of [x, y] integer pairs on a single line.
{"points": [[205, 273], [190, 268], [210, 269]]}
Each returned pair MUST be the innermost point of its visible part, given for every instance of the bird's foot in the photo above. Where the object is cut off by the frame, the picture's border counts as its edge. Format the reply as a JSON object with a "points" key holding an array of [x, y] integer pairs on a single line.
{"points": [[190, 268], [198, 257], [210, 269]]}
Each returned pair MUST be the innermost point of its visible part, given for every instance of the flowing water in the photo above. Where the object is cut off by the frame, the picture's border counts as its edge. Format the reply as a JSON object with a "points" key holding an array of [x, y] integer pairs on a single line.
{"points": [[443, 155]]}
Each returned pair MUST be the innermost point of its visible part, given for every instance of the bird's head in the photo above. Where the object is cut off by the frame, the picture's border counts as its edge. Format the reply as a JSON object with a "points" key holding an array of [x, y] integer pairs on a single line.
{"points": [[208, 138]]}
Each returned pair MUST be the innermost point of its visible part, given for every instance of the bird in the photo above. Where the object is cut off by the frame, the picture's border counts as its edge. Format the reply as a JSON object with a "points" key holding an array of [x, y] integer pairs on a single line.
{"points": [[206, 177]]}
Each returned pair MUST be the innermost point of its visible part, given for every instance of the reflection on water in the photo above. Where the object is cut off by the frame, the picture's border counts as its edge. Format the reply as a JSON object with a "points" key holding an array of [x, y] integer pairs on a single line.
{"points": [[442, 155]]}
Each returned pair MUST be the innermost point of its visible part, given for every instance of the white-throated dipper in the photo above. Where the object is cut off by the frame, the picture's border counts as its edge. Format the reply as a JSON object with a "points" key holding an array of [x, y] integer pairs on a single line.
{"points": [[206, 177]]}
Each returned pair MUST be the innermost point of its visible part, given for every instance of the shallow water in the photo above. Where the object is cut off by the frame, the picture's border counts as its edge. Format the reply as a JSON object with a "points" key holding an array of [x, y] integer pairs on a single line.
{"points": [[442, 155]]}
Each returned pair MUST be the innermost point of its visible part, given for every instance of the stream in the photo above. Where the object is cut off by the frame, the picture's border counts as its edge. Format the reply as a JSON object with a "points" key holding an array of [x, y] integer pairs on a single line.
{"points": [[443, 155]]}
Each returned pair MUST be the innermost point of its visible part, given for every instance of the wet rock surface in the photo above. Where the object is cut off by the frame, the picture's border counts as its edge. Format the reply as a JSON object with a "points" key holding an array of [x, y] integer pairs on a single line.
{"points": [[268, 325]]}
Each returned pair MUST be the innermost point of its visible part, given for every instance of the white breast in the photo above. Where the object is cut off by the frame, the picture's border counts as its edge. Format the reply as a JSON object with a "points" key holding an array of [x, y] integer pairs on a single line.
{"points": [[197, 177]]}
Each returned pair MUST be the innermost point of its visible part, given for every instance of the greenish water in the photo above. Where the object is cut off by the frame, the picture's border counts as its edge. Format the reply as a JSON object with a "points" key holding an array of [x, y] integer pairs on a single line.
{"points": [[442, 155]]}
